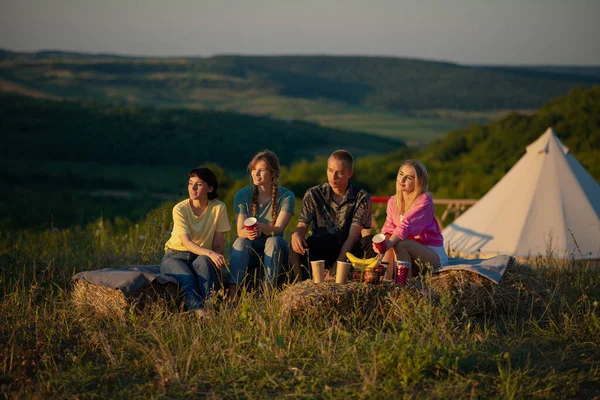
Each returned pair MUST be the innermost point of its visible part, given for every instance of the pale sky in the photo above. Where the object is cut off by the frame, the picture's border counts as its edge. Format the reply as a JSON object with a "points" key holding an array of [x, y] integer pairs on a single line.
{"points": [[508, 32]]}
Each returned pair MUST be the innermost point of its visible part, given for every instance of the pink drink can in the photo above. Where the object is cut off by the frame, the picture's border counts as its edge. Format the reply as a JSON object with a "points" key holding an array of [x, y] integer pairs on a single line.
{"points": [[402, 268]]}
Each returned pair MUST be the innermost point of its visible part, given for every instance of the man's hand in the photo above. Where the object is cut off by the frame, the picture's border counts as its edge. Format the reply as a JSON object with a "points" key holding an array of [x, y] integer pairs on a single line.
{"points": [[299, 244], [353, 236]]}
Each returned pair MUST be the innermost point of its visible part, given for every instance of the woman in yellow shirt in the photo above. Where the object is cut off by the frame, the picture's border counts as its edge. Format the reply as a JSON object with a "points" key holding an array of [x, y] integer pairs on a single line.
{"points": [[194, 252]]}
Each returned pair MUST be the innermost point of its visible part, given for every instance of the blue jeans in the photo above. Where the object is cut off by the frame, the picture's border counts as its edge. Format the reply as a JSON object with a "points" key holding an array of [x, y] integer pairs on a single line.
{"points": [[272, 249], [196, 275]]}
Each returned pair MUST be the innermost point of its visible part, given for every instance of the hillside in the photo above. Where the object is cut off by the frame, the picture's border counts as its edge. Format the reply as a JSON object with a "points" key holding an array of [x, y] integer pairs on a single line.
{"points": [[381, 83], [368, 94], [69, 162], [111, 134], [468, 162], [56, 154]]}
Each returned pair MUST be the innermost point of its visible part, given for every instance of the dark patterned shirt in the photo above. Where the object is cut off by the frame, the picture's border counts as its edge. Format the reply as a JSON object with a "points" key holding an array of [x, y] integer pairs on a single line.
{"points": [[328, 218]]}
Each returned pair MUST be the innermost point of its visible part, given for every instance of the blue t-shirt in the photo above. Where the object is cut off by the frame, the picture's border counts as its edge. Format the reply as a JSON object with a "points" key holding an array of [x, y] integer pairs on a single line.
{"points": [[242, 204]]}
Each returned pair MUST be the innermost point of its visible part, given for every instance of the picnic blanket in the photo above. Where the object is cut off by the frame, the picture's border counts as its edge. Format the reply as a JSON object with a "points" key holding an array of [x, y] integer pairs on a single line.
{"points": [[128, 280], [491, 268]]}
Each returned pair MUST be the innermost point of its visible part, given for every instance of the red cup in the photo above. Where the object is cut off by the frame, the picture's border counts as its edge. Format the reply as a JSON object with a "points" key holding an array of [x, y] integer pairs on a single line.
{"points": [[379, 241], [251, 224], [402, 269]]}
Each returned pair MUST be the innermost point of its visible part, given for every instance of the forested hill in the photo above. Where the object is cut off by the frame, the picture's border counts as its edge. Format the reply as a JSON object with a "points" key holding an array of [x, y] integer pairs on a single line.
{"points": [[68, 163], [35, 130], [374, 83], [469, 162], [404, 84]]}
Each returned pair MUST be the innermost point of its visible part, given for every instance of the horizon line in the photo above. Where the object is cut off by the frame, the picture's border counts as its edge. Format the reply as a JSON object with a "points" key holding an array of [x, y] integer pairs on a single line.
{"points": [[316, 54]]}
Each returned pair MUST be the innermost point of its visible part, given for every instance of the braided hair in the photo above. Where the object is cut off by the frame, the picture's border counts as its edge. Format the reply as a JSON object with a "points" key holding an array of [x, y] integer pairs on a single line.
{"points": [[270, 158]]}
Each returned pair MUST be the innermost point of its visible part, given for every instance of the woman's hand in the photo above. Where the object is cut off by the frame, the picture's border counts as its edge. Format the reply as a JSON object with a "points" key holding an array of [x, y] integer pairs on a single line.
{"points": [[375, 249], [388, 246], [251, 234], [217, 259]]}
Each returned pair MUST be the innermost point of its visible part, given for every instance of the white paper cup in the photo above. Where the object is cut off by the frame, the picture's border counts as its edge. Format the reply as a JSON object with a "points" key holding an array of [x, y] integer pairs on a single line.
{"points": [[250, 224], [379, 242], [318, 271], [342, 270]]}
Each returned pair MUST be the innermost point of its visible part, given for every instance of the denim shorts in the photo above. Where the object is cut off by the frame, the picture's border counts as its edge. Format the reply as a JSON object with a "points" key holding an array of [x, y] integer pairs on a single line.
{"points": [[441, 252]]}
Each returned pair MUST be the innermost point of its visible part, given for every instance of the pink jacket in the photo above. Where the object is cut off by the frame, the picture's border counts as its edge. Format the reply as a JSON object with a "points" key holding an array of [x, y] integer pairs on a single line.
{"points": [[418, 224]]}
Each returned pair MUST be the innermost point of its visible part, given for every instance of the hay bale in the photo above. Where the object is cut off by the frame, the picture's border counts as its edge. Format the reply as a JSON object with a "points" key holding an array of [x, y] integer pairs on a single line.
{"points": [[473, 295], [104, 302], [324, 299], [470, 294]]}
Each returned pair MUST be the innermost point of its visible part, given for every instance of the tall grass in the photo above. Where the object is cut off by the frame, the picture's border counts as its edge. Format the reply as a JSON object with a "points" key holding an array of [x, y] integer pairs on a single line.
{"points": [[420, 349]]}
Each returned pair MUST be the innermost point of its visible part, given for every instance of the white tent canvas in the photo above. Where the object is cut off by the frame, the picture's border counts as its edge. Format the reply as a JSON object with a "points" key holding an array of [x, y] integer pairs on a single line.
{"points": [[546, 201]]}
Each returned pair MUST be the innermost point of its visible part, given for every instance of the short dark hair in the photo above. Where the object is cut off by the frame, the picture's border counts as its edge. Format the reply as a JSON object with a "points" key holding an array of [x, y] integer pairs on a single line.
{"points": [[344, 156], [207, 176]]}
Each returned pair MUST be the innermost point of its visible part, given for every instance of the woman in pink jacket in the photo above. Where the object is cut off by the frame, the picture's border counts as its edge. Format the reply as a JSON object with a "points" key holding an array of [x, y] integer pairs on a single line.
{"points": [[411, 230]]}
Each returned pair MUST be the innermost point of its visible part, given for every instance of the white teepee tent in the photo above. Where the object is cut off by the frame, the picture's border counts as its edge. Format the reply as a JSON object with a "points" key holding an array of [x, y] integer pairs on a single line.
{"points": [[546, 201]]}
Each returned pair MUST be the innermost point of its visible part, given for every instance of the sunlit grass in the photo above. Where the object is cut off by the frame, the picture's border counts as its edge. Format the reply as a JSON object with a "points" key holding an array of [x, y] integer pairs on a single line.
{"points": [[420, 349]]}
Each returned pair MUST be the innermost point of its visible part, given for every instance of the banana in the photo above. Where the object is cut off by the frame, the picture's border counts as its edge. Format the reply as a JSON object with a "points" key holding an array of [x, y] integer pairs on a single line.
{"points": [[374, 264], [361, 268], [353, 259], [359, 261], [362, 264]]}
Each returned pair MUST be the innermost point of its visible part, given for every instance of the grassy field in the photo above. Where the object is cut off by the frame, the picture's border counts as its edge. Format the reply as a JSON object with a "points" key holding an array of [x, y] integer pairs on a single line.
{"points": [[420, 347], [415, 130], [174, 83], [415, 100]]}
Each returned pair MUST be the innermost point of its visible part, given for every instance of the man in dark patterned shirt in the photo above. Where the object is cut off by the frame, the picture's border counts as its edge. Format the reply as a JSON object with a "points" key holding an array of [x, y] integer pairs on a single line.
{"points": [[338, 210]]}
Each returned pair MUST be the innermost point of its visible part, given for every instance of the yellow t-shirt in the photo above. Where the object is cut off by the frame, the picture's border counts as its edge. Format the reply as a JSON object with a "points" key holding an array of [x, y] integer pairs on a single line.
{"points": [[201, 229]]}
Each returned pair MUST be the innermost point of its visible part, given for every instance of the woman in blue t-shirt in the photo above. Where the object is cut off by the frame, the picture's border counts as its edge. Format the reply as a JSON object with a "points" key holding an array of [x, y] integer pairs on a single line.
{"points": [[272, 206]]}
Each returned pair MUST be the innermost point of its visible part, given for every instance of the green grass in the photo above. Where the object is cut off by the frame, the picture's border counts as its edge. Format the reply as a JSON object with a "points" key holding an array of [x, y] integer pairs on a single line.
{"points": [[414, 130], [420, 349]]}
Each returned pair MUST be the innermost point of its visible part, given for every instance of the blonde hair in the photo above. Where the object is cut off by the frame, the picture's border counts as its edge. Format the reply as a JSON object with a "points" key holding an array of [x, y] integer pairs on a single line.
{"points": [[421, 186], [270, 158]]}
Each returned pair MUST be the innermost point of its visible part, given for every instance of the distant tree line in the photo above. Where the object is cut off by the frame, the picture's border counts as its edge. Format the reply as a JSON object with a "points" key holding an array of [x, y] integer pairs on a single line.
{"points": [[380, 83]]}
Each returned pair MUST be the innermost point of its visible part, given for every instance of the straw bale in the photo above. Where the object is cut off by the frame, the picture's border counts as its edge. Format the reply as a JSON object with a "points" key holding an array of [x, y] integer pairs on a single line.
{"points": [[473, 295], [104, 302], [324, 299], [470, 294]]}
